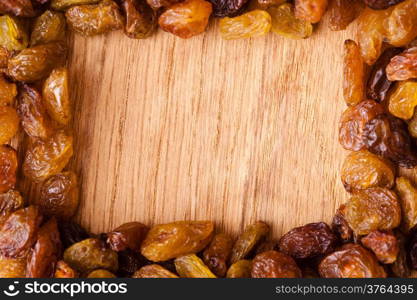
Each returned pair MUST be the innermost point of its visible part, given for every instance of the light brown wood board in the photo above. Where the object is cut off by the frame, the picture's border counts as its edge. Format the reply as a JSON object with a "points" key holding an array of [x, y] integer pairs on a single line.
{"points": [[232, 131]]}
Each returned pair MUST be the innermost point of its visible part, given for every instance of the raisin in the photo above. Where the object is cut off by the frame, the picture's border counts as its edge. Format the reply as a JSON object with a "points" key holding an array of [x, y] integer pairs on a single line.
{"points": [[412, 125], [266, 246], [91, 254], [412, 250], [35, 63], [408, 198], [378, 85], [351, 261], [191, 266], [400, 267], [403, 100], [127, 236], [371, 33], [8, 91], [63, 270], [59, 195], [9, 203], [381, 4], [186, 19], [140, 19], [310, 10], [65, 4], [4, 60], [308, 241], [383, 244], [32, 112], [251, 24], [228, 8], [9, 123], [353, 73], [286, 24], [49, 27], [8, 168], [387, 136], [172, 240], [217, 254], [341, 226], [71, 233], [129, 262], [13, 35], [362, 170], [153, 271], [21, 8], [401, 25], [403, 66], [101, 273], [248, 240], [12, 267], [343, 12], [353, 121], [373, 209], [274, 264], [45, 253], [19, 232], [240, 269], [94, 19], [264, 4], [47, 158]]}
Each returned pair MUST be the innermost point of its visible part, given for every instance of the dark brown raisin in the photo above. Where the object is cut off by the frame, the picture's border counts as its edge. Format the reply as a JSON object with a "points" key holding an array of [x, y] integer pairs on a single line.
{"points": [[228, 8], [381, 4], [71, 233]]}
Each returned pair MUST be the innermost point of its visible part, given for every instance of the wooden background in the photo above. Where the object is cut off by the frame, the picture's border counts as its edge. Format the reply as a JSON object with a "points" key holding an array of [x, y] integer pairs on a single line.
{"points": [[232, 131]]}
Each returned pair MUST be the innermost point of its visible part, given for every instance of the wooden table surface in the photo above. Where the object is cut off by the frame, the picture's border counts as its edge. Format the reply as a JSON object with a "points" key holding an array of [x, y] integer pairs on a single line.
{"points": [[232, 131]]}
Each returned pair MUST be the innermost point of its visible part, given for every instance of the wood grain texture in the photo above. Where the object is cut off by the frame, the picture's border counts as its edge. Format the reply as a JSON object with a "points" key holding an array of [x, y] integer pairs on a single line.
{"points": [[231, 131]]}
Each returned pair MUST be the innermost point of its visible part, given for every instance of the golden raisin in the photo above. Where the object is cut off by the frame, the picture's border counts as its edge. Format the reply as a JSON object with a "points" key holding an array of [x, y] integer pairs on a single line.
{"points": [[251, 24], [49, 27], [240, 269], [13, 34], [140, 19], [408, 198], [412, 125], [65, 4], [9, 202], [403, 100], [101, 273], [9, 123], [8, 168], [63, 270], [153, 271], [191, 266], [8, 91], [353, 74], [12, 267], [343, 12], [403, 66], [401, 25], [274, 264], [310, 10]]}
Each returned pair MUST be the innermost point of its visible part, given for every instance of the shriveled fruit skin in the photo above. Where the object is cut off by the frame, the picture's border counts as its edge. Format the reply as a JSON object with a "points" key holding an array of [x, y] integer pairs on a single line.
{"points": [[49, 27], [56, 96], [412, 125], [45, 253], [266, 246], [91, 254], [71, 233], [8, 168], [362, 170], [341, 226], [353, 121], [8, 91], [264, 4], [191, 266], [371, 33], [101, 273], [94, 19], [353, 73], [9, 203], [228, 8], [251, 24], [12, 267], [381, 4], [129, 262], [286, 24], [32, 113], [383, 244], [408, 198], [59, 195], [65, 4], [153, 271], [44, 159], [378, 85], [172, 240], [401, 25], [343, 12], [63, 270], [19, 232], [401, 267], [403, 100], [403, 66], [9, 123], [248, 240], [351, 261], [373, 209], [127, 236], [388, 137], [310, 10], [274, 264], [4, 59], [240, 269], [141, 19], [217, 254], [21, 8], [412, 250], [37, 62], [308, 241], [13, 35], [186, 19]]}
